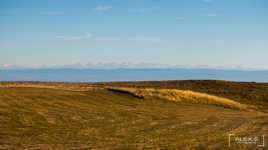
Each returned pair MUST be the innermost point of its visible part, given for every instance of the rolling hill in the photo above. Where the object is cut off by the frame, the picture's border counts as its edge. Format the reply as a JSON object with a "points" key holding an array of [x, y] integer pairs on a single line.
{"points": [[184, 115]]}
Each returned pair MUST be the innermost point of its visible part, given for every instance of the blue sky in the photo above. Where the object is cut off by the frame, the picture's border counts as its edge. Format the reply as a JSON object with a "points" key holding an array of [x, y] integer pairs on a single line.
{"points": [[213, 33]]}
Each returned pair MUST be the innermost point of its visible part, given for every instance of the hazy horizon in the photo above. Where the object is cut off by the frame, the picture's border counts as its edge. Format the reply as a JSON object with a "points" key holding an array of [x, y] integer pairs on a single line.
{"points": [[106, 75], [125, 65]]}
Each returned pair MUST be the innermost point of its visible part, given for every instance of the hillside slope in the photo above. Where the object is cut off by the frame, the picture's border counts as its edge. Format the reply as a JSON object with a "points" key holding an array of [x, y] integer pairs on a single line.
{"points": [[244, 92], [96, 118]]}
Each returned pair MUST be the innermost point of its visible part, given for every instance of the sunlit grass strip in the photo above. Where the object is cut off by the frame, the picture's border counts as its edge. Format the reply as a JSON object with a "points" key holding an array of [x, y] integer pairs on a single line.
{"points": [[183, 97]]}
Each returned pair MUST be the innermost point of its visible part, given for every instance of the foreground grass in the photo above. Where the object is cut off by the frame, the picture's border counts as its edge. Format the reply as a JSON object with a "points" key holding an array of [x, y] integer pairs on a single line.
{"points": [[41, 118]]}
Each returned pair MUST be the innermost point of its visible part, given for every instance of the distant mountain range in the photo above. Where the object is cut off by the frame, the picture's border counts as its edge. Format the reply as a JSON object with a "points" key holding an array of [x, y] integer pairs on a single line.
{"points": [[127, 65], [146, 74]]}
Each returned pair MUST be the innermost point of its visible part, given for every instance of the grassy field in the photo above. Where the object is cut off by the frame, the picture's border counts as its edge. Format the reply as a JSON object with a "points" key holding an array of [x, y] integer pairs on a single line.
{"points": [[76, 116]]}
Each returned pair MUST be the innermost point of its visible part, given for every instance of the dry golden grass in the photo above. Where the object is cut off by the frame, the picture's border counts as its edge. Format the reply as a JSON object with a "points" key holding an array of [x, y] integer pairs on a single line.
{"points": [[60, 119], [61, 87], [183, 96]]}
